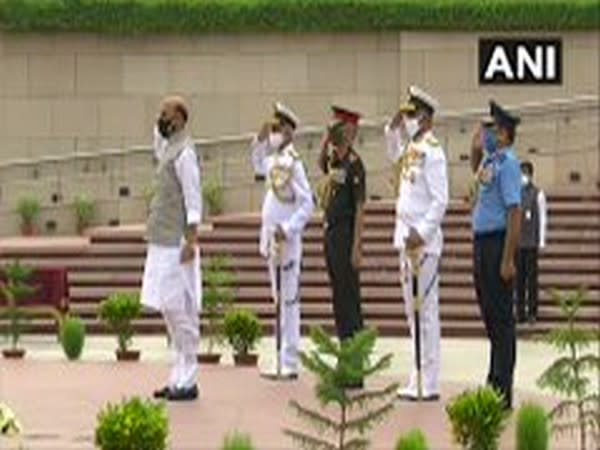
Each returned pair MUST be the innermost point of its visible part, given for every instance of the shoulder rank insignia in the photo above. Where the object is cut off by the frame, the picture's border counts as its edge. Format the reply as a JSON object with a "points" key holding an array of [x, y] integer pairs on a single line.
{"points": [[433, 141], [294, 154]]}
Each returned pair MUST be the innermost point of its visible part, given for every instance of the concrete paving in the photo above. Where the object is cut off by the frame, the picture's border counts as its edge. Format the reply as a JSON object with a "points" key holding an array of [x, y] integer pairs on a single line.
{"points": [[57, 401]]}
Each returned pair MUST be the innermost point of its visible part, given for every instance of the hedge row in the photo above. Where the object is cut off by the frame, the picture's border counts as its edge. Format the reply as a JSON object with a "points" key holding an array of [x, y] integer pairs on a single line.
{"points": [[202, 16]]}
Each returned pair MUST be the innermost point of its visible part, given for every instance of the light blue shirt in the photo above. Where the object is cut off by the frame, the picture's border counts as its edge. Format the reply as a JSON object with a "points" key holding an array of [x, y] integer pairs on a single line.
{"points": [[499, 190]]}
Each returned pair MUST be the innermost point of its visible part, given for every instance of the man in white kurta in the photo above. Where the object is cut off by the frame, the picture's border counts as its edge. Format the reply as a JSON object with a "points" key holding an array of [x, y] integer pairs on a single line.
{"points": [[420, 208], [287, 207], [172, 283]]}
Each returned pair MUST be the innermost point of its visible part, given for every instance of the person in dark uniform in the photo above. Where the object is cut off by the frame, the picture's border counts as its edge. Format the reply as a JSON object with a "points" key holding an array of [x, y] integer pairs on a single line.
{"points": [[533, 237], [496, 228], [342, 196]]}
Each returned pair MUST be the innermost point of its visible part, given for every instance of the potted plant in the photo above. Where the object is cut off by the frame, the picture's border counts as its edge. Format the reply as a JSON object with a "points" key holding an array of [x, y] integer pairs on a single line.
{"points": [[132, 425], [72, 337], [117, 312], [29, 209], [243, 332], [478, 418], [85, 211], [213, 195], [13, 290], [217, 297]]}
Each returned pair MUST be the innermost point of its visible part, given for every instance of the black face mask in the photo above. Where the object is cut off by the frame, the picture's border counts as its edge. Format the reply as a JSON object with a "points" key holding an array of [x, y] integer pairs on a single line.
{"points": [[166, 128]]}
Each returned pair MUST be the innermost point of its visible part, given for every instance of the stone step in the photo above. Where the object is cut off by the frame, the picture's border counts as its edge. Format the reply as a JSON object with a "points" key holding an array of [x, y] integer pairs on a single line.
{"points": [[256, 263], [387, 221], [310, 311], [249, 294], [247, 235], [385, 327], [368, 277], [250, 249]]}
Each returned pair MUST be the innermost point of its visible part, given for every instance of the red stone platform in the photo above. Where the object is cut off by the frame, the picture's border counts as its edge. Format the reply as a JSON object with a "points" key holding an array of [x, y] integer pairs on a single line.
{"points": [[57, 403]]}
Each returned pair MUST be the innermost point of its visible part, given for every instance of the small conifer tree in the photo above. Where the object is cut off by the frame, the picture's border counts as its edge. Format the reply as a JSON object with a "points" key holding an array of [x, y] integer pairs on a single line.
{"points": [[574, 374], [336, 367]]}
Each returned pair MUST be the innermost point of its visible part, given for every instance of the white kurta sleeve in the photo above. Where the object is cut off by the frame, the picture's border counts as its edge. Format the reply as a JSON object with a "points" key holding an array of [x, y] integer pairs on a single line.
{"points": [[298, 220], [260, 151], [436, 176], [188, 172], [394, 143], [543, 211]]}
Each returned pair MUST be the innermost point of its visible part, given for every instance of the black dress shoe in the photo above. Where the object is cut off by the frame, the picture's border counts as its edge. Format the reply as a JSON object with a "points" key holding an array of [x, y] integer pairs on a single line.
{"points": [[414, 398], [183, 395], [161, 393], [290, 376]]}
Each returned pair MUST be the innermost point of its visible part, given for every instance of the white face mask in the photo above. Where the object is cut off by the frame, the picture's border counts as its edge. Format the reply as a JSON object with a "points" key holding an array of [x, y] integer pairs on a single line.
{"points": [[275, 140], [412, 127], [524, 179]]}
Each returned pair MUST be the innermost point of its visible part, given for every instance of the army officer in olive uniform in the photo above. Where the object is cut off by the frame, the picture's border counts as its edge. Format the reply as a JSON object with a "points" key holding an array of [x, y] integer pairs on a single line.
{"points": [[342, 196]]}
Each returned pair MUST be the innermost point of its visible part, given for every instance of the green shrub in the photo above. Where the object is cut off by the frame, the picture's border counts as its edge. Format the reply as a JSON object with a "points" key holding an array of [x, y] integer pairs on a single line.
{"points": [[242, 330], [413, 440], [132, 425], [477, 418], [214, 196], [118, 311], [28, 209], [15, 289], [533, 431], [85, 210], [237, 441], [9, 424], [201, 16], [217, 296], [72, 337]]}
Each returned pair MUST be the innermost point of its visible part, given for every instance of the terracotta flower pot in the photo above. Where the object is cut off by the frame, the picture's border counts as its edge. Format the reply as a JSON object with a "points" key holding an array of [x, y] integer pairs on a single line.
{"points": [[209, 358], [247, 360], [28, 229], [17, 353], [128, 355]]}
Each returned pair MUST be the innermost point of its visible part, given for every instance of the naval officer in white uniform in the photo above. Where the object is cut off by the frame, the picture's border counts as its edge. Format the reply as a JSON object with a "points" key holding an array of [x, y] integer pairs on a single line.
{"points": [[421, 204], [287, 208], [172, 283]]}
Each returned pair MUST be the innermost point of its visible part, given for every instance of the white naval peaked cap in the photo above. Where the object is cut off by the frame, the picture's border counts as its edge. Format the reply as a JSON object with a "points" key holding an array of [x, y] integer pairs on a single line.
{"points": [[418, 94], [285, 111]]}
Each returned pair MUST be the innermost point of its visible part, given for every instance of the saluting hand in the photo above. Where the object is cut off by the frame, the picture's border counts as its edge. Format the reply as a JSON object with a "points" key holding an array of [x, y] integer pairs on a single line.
{"points": [[397, 120], [264, 131]]}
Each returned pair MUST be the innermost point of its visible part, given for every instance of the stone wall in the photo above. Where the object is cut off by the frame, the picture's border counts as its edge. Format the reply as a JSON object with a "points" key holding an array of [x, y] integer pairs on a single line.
{"points": [[71, 93]]}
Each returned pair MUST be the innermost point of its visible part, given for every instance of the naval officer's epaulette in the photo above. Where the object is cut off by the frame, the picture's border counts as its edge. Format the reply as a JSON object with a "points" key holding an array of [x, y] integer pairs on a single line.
{"points": [[293, 153], [431, 140]]}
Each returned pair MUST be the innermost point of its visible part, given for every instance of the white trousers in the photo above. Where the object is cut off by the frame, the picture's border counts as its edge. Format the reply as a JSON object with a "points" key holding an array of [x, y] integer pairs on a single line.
{"points": [[183, 326], [428, 284], [289, 311]]}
